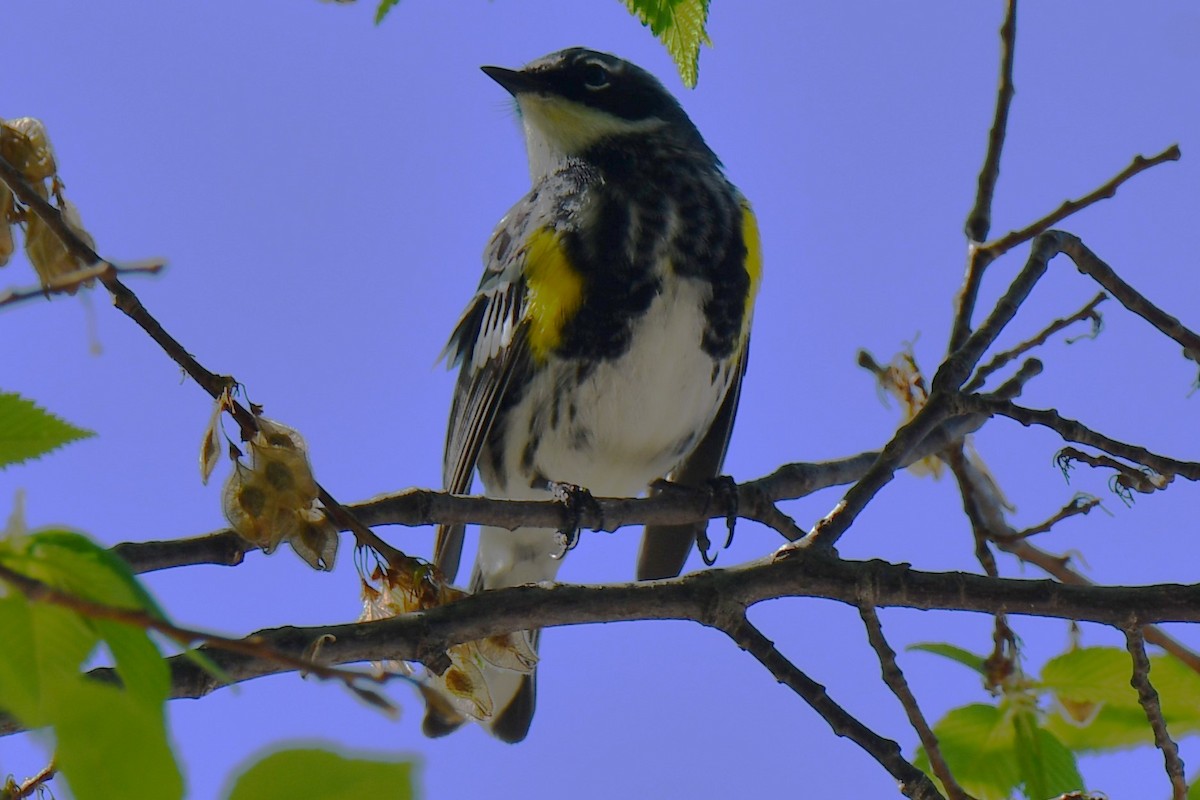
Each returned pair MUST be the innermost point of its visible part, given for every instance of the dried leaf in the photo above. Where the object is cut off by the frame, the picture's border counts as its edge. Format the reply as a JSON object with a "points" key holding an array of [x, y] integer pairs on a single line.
{"points": [[7, 211], [48, 254], [25, 144], [210, 445], [511, 651], [315, 539]]}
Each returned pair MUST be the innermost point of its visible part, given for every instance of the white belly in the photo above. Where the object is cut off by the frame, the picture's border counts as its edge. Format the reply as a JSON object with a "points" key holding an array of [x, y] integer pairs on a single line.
{"points": [[639, 415]]}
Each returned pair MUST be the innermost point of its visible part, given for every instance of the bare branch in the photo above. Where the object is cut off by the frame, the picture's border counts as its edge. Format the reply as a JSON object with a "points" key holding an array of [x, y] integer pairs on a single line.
{"points": [[1148, 697], [913, 782], [1001, 359], [1140, 163], [71, 282], [1080, 504], [894, 678], [980, 256], [1075, 431], [1127, 478], [215, 385], [979, 221], [30, 785]]}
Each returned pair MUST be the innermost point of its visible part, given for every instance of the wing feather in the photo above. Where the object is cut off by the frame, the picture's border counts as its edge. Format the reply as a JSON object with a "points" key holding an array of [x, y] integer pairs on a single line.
{"points": [[490, 344]]}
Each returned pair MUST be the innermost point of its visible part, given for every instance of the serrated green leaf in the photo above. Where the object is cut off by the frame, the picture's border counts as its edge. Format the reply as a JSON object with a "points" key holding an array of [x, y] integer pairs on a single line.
{"points": [[679, 25], [384, 7], [1048, 768], [324, 775], [952, 652], [27, 431]]}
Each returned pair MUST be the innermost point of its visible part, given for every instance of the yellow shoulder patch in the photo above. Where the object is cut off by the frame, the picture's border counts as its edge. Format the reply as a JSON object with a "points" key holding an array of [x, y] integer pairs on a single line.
{"points": [[555, 291], [754, 264]]}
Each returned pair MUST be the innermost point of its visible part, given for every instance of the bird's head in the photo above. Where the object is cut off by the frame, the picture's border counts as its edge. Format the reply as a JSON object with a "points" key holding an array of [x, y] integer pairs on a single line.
{"points": [[575, 99]]}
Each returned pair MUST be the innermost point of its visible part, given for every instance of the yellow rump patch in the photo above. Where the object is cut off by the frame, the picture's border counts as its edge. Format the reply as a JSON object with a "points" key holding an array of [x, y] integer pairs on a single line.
{"points": [[555, 291], [754, 264]]}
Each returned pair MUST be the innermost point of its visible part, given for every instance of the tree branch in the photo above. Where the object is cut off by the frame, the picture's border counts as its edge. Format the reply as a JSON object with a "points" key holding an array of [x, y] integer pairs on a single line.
{"points": [[979, 220], [1148, 698], [894, 678], [425, 635], [913, 782]]}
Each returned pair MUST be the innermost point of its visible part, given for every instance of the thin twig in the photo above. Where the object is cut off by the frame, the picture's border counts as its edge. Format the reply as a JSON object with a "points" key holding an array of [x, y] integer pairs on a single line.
{"points": [[1001, 359], [983, 255], [894, 678], [1148, 698], [979, 220], [216, 385], [1140, 163], [33, 783], [1079, 505], [71, 281], [1075, 431], [1127, 480], [1090, 264], [913, 782]]}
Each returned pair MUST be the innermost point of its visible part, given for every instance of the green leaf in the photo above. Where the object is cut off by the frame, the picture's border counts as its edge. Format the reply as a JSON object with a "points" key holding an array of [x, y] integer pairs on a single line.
{"points": [[1101, 675], [1113, 728], [1048, 768], [44, 647], [1093, 674], [978, 744], [107, 737], [322, 775], [952, 652], [678, 24], [107, 734], [27, 431], [384, 7]]}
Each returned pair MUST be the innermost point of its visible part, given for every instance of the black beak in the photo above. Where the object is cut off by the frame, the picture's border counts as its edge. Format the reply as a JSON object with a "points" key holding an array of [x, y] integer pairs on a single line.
{"points": [[515, 81]]}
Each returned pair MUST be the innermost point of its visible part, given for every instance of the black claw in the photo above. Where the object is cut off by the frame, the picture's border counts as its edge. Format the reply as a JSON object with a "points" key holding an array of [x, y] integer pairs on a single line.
{"points": [[577, 501], [724, 490], [702, 544]]}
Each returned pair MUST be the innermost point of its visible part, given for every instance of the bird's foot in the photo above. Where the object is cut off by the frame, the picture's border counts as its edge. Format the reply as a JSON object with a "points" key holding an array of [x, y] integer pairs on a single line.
{"points": [[577, 502]]}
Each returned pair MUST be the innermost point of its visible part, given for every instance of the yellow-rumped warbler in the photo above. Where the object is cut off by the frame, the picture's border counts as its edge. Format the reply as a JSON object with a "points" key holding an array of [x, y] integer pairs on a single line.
{"points": [[606, 344]]}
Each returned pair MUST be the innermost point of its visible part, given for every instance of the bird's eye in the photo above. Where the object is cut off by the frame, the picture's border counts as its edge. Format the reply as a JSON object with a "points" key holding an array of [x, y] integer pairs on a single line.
{"points": [[595, 77]]}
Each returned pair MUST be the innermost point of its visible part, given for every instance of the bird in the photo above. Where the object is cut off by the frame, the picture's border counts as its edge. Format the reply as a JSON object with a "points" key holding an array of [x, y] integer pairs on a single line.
{"points": [[606, 344]]}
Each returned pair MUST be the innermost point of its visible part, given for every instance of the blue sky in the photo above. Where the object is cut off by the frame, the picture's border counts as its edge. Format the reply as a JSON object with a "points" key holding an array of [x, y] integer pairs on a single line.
{"points": [[323, 188]]}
